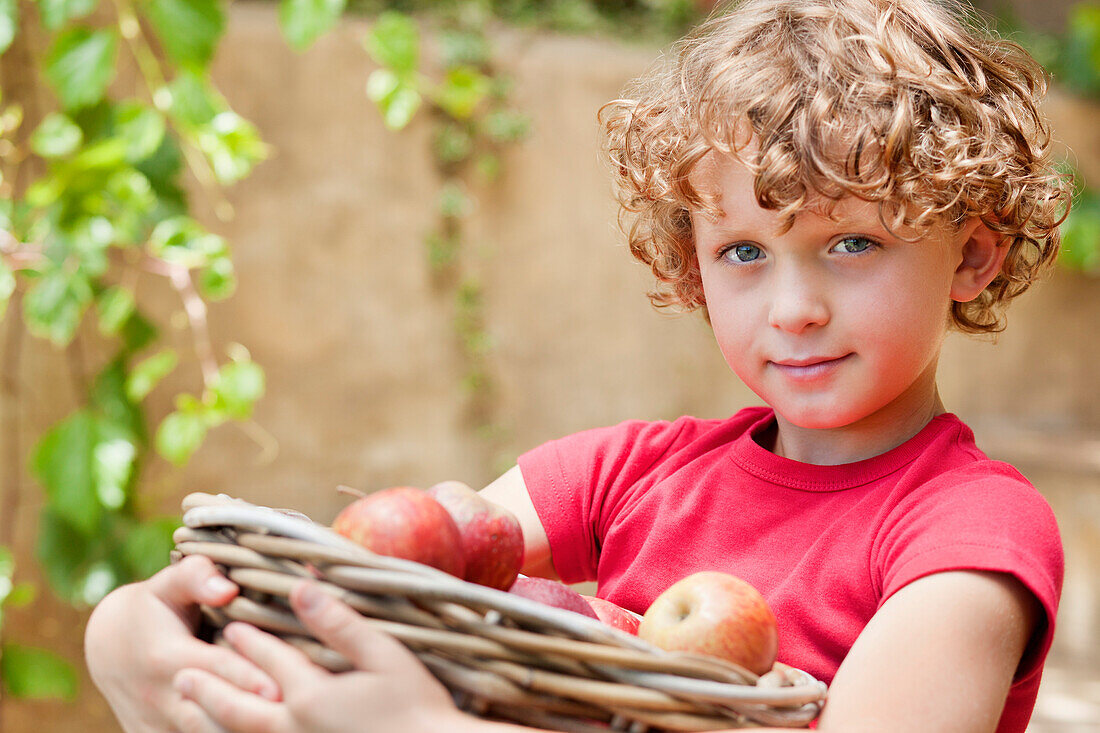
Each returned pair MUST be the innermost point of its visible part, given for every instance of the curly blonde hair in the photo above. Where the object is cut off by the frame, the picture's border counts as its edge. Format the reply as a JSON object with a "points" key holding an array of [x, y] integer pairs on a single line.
{"points": [[908, 103]]}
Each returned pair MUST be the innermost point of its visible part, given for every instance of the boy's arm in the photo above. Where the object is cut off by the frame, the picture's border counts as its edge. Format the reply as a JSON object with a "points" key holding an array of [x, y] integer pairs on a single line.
{"points": [[510, 492], [939, 655]]}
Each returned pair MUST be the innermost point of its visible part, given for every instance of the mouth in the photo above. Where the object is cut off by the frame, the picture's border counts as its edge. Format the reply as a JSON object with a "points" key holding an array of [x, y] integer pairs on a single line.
{"points": [[809, 368]]}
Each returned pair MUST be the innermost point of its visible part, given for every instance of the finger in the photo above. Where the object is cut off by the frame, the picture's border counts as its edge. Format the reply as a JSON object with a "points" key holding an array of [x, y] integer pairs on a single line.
{"points": [[287, 666], [228, 707], [187, 717], [342, 629], [193, 580], [235, 669]]}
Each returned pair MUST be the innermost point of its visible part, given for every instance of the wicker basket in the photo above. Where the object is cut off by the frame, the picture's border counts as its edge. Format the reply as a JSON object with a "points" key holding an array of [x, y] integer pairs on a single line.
{"points": [[503, 657]]}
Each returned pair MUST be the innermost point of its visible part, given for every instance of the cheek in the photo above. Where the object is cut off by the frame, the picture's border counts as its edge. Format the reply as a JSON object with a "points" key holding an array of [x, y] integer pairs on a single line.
{"points": [[910, 321]]}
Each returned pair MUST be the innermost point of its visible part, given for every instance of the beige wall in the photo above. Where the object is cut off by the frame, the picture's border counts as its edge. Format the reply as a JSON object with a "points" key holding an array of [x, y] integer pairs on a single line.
{"points": [[337, 302]]}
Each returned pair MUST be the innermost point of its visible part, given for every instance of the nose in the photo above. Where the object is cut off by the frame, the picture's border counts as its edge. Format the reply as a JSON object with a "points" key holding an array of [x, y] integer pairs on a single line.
{"points": [[798, 301]]}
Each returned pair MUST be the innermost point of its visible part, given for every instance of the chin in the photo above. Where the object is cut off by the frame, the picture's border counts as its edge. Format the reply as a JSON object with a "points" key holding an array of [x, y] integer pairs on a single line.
{"points": [[827, 417]]}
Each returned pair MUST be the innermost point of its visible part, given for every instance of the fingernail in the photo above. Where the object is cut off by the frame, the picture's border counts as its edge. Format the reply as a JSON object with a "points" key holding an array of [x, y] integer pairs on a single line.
{"points": [[230, 632], [310, 597], [183, 684], [217, 585], [270, 692]]}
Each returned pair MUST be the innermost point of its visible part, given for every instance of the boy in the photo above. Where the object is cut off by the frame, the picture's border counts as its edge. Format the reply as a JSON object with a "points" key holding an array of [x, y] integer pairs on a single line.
{"points": [[837, 183]]}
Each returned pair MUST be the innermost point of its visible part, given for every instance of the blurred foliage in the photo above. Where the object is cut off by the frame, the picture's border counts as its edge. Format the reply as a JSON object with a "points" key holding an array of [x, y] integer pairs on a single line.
{"points": [[466, 100], [1073, 60], [641, 20], [92, 198]]}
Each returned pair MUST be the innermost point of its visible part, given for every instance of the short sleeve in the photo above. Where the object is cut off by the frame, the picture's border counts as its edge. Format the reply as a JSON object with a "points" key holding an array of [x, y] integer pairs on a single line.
{"points": [[578, 482], [985, 516]]}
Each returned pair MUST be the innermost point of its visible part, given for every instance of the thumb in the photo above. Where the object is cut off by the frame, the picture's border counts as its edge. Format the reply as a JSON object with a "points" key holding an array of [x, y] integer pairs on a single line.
{"points": [[193, 580], [342, 629]]}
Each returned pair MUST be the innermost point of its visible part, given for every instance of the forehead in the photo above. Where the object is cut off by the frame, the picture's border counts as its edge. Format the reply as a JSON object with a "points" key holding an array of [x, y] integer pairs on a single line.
{"points": [[727, 181]]}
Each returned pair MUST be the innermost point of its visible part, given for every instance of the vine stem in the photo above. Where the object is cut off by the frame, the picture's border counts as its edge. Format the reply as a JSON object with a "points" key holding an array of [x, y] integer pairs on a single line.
{"points": [[129, 27], [195, 308]]}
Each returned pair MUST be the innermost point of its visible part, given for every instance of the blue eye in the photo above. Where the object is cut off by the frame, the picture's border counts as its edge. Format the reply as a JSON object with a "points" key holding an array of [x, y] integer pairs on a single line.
{"points": [[742, 253], [853, 245]]}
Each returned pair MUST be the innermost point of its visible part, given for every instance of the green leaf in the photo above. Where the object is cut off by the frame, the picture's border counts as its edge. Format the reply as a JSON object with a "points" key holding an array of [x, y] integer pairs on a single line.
{"points": [[86, 462], [138, 332], [95, 582], [1081, 234], [9, 23], [194, 101], [394, 41], [238, 386], [233, 146], [33, 673], [453, 201], [1080, 57], [109, 400], [131, 202], [22, 594], [218, 279], [396, 96], [182, 241], [462, 47], [303, 21], [80, 65], [452, 143], [109, 153], [380, 84], [462, 90], [189, 29], [148, 372], [63, 464], [112, 464], [7, 571], [55, 13], [147, 545], [87, 242], [399, 106], [7, 286], [115, 305], [55, 304], [56, 136], [505, 126], [62, 551], [180, 435], [141, 127]]}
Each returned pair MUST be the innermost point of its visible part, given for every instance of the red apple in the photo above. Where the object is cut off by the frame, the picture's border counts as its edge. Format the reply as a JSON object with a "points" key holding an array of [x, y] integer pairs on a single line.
{"points": [[614, 616], [714, 613], [492, 540], [552, 593], [404, 522]]}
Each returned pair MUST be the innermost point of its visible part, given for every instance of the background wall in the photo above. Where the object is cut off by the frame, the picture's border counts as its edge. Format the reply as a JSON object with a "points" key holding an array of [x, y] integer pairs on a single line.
{"points": [[338, 303]]}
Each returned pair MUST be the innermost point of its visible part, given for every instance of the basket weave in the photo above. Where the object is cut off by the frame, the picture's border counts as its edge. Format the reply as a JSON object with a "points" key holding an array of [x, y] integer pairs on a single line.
{"points": [[502, 656]]}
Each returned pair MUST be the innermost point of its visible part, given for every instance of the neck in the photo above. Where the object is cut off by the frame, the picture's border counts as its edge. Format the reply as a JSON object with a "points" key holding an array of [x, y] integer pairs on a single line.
{"points": [[869, 437]]}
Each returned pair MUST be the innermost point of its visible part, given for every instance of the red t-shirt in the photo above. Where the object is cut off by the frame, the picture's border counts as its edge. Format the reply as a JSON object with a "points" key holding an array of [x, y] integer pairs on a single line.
{"points": [[640, 505]]}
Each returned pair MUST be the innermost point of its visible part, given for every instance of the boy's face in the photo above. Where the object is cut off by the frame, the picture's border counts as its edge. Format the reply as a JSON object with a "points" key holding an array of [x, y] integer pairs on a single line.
{"points": [[830, 323]]}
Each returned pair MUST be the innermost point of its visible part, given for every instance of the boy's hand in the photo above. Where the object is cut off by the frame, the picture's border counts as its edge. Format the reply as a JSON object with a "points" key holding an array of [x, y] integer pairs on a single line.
{"points": [[142, 634], [389, 690]]}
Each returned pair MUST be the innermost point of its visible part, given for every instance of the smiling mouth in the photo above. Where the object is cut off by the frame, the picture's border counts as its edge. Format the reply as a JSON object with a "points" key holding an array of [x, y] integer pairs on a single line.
{"points": [[809, 369], [812, 361]]}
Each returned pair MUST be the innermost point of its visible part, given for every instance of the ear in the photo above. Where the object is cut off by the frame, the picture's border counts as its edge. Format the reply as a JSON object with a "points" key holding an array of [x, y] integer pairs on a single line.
{"points": [[983, 253]]}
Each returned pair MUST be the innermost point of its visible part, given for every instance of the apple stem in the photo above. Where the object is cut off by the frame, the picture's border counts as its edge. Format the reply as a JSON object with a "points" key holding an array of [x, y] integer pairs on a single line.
{"points": [[341, 489]]}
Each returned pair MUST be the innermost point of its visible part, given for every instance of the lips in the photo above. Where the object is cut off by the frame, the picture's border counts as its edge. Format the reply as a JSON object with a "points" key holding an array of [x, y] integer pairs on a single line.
{"points": [[809, 369], [809, 361]]}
